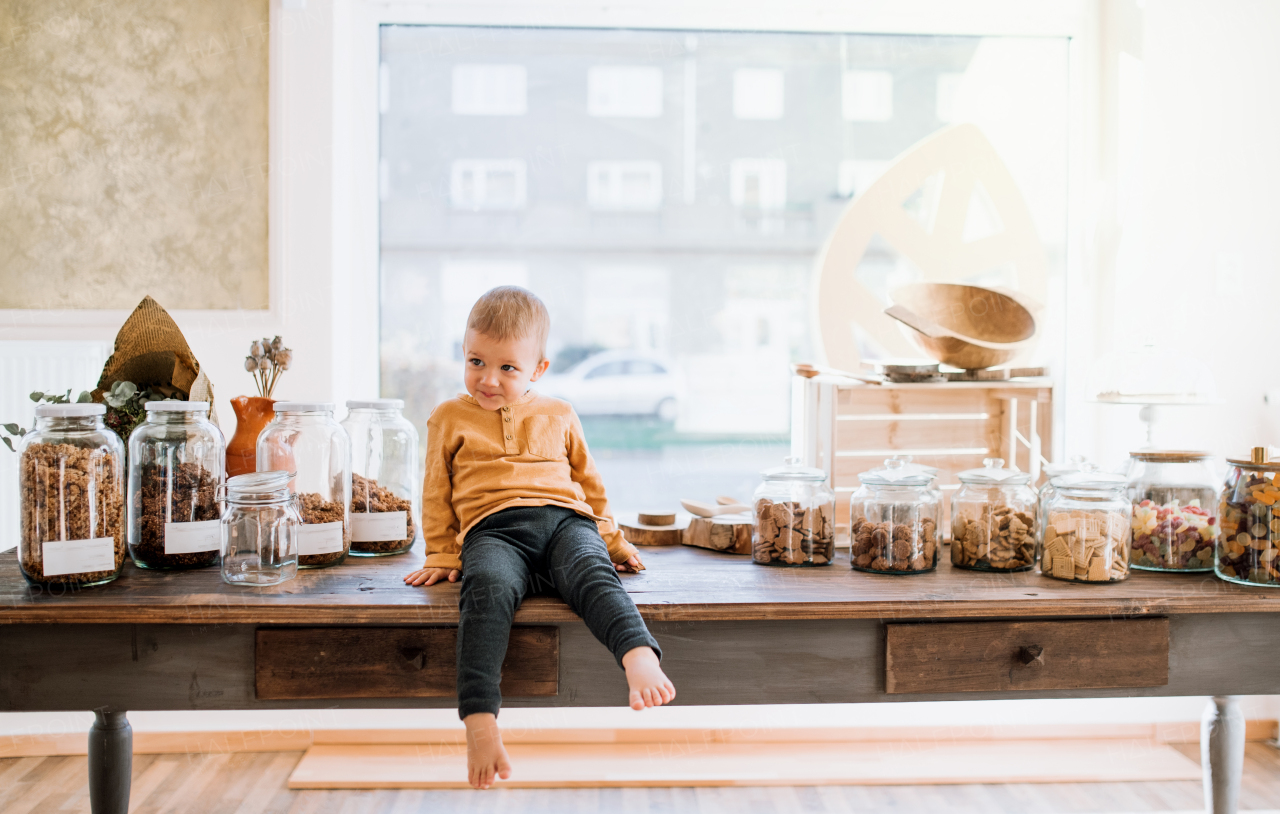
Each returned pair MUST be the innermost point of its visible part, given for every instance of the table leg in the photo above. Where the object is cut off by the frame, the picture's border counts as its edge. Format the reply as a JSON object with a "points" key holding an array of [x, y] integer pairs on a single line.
{"points": [[110, 762], [1222, 754]]}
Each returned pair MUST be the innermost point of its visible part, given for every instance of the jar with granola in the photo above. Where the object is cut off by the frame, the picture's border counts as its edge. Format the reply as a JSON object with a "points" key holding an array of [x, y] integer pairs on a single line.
{"points": [[795, 514], [1249, 511], [894, 519], [304, 439], [993, 519], [1086, 532], [386, 479], [71, 495], [1175, 522], [176, 459]]}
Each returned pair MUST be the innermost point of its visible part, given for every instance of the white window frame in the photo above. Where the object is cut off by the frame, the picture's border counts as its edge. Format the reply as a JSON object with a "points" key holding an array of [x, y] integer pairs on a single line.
{"points": [[480, 170], [465, 75], [605, 195], [771, 184]]}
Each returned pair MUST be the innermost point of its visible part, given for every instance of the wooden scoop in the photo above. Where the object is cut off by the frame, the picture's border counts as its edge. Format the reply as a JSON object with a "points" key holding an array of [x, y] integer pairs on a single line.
{"points": [[697, 507]]}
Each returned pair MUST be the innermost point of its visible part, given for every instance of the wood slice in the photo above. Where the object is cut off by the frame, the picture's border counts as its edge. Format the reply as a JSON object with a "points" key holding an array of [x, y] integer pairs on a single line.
{"points": [[639, 533], [657, 518], [728, 534]]}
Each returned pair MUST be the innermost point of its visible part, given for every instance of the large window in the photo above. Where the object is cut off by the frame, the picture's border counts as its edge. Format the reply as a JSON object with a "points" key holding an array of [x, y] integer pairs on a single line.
{"points": [[667, 195]]}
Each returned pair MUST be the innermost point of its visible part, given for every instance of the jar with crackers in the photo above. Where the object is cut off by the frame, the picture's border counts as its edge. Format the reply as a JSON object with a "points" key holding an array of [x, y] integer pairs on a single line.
{"points": [[1175, 513], [794, 517], [1074, 464], [993, 519], [1086, 533], [1249, 512], [894, 519]]}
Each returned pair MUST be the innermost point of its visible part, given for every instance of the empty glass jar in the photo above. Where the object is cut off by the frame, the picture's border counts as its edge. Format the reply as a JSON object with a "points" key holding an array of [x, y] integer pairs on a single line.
{"points": [[1086, 530], [894, 519], [993, 519], [1249, 512], [71, 491], [175, 467], [795, 514], [304, 439], [259, 529], [1174, 496], [386, 480]]}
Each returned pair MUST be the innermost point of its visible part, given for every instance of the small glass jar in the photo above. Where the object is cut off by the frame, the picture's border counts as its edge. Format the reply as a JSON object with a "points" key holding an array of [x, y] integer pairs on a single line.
{"points": [[386, 481], [993, 519], [259, 529], [795, 514], [1086, 532], [304, 439], [1174, 496], [894, 519], [1249, 512], [71, 491], [175, 467]]}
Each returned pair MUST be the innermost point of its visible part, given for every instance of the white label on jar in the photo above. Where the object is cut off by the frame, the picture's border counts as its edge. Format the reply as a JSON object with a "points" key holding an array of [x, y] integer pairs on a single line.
{"points": [[375, 527], [78, 556], [192, 538], [320, 538]]}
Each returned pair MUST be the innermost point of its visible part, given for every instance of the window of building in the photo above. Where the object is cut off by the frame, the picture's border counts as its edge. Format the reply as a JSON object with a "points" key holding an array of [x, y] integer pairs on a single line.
{"points": [[624, 185], [624, 91], [867, 96], [497, 185], [758, 183], [757, 93], [489, 90]]}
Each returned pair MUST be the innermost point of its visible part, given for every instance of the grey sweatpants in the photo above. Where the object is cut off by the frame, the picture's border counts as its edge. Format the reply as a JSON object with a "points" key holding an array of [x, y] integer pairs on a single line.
{"points": [[526, 550]]}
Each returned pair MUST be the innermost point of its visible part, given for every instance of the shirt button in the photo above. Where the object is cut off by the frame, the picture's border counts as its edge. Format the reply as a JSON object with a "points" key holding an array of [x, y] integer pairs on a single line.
{"points": [[508, 418], [508, 437]]}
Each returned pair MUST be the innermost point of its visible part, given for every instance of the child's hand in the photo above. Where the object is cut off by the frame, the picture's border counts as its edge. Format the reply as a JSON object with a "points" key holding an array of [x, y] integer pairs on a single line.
{"points": [[632, 565], [430, 576]]}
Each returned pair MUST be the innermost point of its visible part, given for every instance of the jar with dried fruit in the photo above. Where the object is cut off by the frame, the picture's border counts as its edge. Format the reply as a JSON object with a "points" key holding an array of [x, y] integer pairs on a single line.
{"points": [[259, 529], [1249, 511], [894, 519], [1087, 529], [993, 519], [386, 480], [71, 491], [304, 439], [175, 467], [1175, 523], [795, 514]]}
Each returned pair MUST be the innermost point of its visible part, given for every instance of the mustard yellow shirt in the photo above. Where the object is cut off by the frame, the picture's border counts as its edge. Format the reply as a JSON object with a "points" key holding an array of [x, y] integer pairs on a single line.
{"points": [[530, 453]]}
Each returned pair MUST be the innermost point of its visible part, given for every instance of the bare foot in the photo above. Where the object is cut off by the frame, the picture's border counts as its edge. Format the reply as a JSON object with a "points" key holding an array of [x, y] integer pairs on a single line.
{"points": [[486, 756], [650, 687]]}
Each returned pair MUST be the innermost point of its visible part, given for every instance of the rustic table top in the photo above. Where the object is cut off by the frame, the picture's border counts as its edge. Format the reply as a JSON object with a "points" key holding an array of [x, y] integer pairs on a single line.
{"points": [[681, 584]]}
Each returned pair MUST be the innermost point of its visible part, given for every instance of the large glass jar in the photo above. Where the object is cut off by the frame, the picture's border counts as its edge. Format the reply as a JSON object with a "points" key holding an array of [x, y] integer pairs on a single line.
{"points": [[260, 526], [175, 467], [1249, 512], [386, 480], [71, 491], [1174, 496], [304, 439], [1076, 463], [795, 514], [894, 520], [993, 519], [1086, 530]]}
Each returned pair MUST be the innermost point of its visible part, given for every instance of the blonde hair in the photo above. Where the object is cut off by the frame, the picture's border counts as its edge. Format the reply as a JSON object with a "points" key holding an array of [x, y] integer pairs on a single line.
{"points": [[511, 312]]}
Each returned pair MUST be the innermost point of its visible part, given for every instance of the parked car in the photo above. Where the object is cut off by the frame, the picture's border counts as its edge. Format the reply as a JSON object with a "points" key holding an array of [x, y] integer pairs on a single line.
{"points": [[617, 382]]}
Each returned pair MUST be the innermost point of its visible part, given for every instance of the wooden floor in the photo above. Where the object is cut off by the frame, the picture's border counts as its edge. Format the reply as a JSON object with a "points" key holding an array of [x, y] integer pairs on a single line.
{"points": [[254, 783]]}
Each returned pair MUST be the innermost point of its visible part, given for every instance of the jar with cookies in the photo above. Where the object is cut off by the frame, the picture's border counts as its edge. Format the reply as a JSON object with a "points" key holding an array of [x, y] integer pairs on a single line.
{"points": [[894, 519], [1175, 513], [1086, 532], [1248, 549], [794, 517], [993, 519], [386, 479]]}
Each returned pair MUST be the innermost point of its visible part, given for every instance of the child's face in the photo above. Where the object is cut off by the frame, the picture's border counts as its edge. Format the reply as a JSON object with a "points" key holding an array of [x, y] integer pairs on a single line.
{"points": [[498, 372]]}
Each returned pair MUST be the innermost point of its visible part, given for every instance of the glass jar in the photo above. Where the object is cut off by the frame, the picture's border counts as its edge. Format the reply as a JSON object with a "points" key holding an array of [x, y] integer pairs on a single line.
{"points": [[894, 519], [260, 527], [1076, 463], [993, 519], [175, 467], [1249, 512], [304, 439], [71, 491], [795, 514], [1086, 531], [386, 484], [1174, 496]]}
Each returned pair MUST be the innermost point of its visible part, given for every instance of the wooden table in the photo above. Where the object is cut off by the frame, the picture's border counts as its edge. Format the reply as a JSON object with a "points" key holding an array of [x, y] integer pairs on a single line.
{"points": [[732, 632]]}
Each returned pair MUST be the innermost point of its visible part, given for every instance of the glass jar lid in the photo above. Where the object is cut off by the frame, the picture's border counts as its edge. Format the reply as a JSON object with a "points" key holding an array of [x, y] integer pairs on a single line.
{"points": [[994, 473], [1076, 463], [259, 487], [375, 404], [793, 470], [898, 471], [1090, 481], [304, 407], [70, 410], [1258, 458], [177, 406], [1169, 456]]}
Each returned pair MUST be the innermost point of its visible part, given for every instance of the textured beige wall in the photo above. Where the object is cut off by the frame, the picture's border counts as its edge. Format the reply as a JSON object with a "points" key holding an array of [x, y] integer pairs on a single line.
{"points": [[133, 153]]}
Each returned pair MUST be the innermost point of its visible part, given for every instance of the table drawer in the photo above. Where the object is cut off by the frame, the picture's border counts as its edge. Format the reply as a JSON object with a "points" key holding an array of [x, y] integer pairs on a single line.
{"points": [[392, 662], [999, 656]]}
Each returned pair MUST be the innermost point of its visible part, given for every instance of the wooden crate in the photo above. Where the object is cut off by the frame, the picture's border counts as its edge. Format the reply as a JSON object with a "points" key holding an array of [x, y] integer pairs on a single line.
{"points": [[846, 427]]}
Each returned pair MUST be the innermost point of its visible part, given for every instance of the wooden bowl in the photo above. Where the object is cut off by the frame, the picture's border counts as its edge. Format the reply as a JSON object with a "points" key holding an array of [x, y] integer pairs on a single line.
{"points": [[965, 326]]}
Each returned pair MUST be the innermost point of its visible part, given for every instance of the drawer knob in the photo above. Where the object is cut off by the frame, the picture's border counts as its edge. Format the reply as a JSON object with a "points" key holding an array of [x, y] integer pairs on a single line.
{"points": [[1031, 654]]}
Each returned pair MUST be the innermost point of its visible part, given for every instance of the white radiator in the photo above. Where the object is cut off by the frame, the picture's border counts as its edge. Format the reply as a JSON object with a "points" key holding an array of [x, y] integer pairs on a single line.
{"points": [[26, 366]]}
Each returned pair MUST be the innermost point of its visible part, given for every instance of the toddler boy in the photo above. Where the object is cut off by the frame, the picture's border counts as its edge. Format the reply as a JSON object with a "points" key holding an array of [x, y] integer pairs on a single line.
{"points": [[512, 500]]}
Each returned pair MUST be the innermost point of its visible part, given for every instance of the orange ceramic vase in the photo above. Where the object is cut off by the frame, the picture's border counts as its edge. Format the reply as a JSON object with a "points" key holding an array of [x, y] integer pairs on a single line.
{"points": [[252, 414]]}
